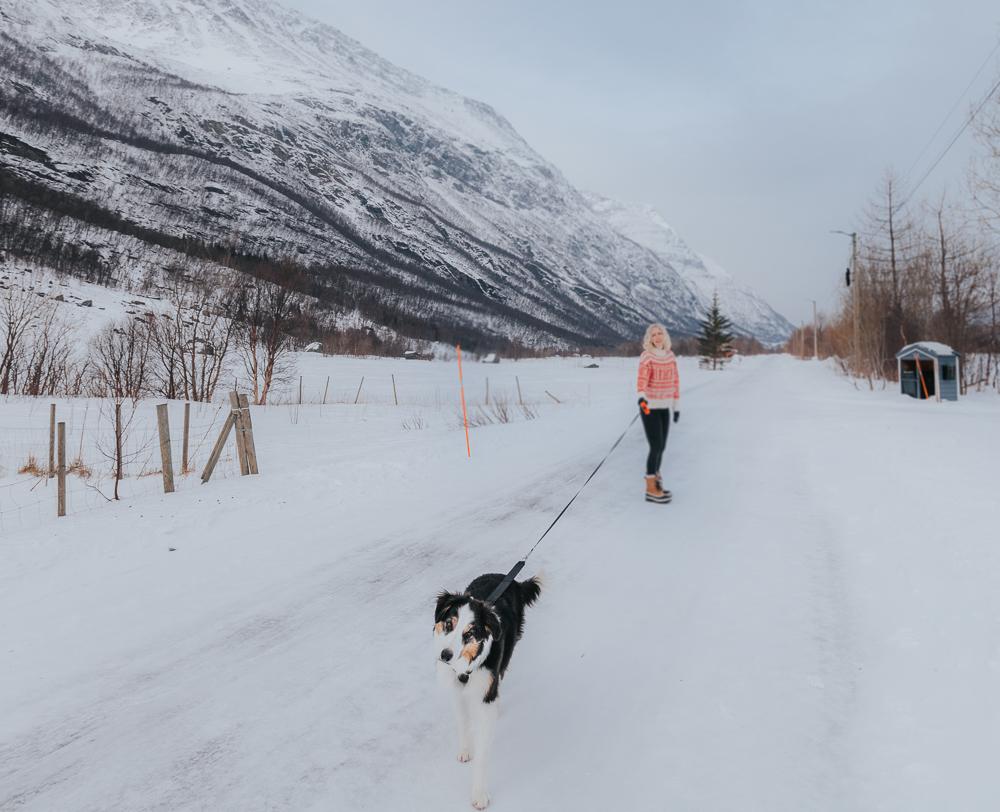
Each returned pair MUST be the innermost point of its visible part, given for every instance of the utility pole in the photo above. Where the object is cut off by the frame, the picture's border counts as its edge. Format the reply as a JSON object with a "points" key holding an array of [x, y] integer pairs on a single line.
{"points": [[854, 282], [815, 333], [855, 303]]}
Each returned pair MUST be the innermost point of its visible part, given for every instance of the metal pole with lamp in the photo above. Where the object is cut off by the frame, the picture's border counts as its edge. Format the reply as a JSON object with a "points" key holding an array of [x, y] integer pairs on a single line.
{"points": [[851, 278]]}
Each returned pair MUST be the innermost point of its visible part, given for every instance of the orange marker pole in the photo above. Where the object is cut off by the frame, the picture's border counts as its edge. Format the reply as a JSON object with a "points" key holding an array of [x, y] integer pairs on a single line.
{"points": [[923, 383], [465, 416]]}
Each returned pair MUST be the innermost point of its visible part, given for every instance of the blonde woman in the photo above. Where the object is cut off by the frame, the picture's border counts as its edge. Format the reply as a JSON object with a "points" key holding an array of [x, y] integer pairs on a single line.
{"points": [[659, 393]]}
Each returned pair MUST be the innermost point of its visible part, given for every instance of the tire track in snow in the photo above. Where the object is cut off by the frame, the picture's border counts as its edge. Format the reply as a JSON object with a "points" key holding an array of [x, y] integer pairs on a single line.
{"points": [[697, 628], [178, 681], [164, 690]]}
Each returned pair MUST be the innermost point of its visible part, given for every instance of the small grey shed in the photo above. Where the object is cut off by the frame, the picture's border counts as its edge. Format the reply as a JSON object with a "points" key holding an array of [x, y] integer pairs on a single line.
{"points": [[928, 369]]}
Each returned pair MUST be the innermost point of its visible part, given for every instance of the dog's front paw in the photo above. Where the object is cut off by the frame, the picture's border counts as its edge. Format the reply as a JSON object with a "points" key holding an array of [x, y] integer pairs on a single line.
{"points": [[465, 756], [480, 800]]}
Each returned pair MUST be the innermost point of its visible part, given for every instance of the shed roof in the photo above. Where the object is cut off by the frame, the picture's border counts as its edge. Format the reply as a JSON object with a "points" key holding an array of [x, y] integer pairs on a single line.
{"points": [[933, 348]]}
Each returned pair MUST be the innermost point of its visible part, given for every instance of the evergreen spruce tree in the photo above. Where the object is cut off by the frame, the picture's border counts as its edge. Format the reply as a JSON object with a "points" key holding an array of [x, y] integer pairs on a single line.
{"points": [[716, 338]]}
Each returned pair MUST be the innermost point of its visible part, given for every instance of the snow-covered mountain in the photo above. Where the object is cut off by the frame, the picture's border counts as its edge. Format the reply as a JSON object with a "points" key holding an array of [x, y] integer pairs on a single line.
{"points": [[139, 136], [643, 225]]}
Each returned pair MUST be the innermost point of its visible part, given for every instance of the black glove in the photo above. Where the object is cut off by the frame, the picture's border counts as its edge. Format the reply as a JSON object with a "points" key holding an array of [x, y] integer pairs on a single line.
{"points": [[644, 405], [677, 415]]}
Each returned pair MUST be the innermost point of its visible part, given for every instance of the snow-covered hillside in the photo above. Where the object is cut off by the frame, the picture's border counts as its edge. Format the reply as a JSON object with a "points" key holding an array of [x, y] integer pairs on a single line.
{"points": [[705, 278], [152, 134], [810, 625]]}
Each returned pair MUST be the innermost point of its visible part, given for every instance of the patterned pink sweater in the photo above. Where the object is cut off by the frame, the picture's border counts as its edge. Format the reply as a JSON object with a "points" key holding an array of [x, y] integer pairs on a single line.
{"points": [[658, 380]]}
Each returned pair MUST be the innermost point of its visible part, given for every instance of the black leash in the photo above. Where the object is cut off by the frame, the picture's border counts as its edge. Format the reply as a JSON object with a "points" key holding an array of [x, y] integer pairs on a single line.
{"points": [[510, 576]]}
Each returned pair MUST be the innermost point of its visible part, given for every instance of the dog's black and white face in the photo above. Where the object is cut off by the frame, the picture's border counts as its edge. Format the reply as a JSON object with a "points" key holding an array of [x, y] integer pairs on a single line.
{"points": [[464, 631]]}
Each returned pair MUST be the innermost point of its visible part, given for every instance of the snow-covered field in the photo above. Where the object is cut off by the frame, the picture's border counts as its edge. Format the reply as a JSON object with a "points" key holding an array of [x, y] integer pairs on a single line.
{"points": [[813, 624]]}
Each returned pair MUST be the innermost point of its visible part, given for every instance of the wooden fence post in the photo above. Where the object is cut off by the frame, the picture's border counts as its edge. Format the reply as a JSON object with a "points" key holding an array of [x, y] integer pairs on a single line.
{"points": [[394, 396], [166, 458], [487, 390], [326, 389], [241, 443], [300, 390], [520, 400], [217, 449], [185, 462], [359, 389], [52, 441], [61, 498], [248, 443], [119, 455]]}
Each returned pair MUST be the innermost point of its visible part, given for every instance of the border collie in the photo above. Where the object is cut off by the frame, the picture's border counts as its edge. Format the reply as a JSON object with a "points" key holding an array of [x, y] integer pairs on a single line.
{"points": [[474, 641]]}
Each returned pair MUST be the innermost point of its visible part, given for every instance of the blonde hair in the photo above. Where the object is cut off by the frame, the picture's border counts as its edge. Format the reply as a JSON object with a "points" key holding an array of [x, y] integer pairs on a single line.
{"points": [[647, 342]]}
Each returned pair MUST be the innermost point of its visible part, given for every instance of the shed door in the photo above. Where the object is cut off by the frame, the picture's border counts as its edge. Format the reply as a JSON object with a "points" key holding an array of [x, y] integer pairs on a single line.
{"points": [[918, 378]]}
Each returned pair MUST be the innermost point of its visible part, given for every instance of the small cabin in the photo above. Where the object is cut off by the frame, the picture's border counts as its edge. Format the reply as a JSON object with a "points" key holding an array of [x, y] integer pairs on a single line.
{"points": [[416, 355], [928, 369]]}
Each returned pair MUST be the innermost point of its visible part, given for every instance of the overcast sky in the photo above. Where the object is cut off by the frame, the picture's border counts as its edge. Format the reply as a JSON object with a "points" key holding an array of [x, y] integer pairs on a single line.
{"points": [[754, 127]]}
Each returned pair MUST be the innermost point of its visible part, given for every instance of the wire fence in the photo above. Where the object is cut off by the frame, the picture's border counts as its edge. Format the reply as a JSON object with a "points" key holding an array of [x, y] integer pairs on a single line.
{"points": [[28, 491], [981, 372], [28, 485], [434, 385]]}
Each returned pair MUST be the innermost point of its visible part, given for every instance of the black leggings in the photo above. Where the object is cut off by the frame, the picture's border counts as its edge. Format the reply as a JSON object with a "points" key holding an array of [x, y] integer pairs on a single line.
{"points": [[657, 426]]}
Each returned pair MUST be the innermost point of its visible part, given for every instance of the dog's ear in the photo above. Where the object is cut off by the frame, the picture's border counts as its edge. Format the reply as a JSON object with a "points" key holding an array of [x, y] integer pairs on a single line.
{"points": [[492, 623], [447, 603]]}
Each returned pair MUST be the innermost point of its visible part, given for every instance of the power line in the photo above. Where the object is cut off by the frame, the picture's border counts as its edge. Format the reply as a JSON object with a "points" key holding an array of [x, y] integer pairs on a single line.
{"points": [[951, 143], [954, 107], [893, 209]]}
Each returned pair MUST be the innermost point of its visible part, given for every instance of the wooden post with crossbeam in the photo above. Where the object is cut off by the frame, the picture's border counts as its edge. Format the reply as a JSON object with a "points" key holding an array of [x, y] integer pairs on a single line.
{"points": [[248, 442], [220, 444], [241, 442]]}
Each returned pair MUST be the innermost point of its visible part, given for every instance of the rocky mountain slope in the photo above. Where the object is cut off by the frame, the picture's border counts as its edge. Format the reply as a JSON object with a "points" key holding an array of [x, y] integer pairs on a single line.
{"points": [[143, 137], [645, 226]]}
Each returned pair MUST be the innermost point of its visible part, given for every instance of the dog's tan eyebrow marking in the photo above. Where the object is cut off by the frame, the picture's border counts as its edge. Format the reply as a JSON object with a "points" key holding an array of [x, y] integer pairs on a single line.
{"points": [[471, 651], [445, 625]]}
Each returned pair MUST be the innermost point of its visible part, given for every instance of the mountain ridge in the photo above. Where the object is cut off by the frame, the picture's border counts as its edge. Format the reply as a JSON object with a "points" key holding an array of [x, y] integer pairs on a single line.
{"points": [[646, 227], [423, 191]]}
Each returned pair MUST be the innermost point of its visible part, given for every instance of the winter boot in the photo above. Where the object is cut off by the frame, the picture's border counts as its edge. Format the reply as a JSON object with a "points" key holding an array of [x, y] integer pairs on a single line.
{"points": [[653, 492], [659, 484]]}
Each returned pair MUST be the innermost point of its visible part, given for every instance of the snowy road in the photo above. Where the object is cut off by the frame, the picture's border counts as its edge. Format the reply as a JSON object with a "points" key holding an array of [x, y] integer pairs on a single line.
{"points": [[811, 625]]}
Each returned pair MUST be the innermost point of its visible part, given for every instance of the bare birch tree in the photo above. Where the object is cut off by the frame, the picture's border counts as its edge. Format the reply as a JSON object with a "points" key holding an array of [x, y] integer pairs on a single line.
{"points": [[264, 313], [121, 356], [193, 341]]}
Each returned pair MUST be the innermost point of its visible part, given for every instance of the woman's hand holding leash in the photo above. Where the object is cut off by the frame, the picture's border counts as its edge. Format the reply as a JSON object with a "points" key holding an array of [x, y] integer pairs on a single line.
{"points": [[644, 405], [677, 415]]}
